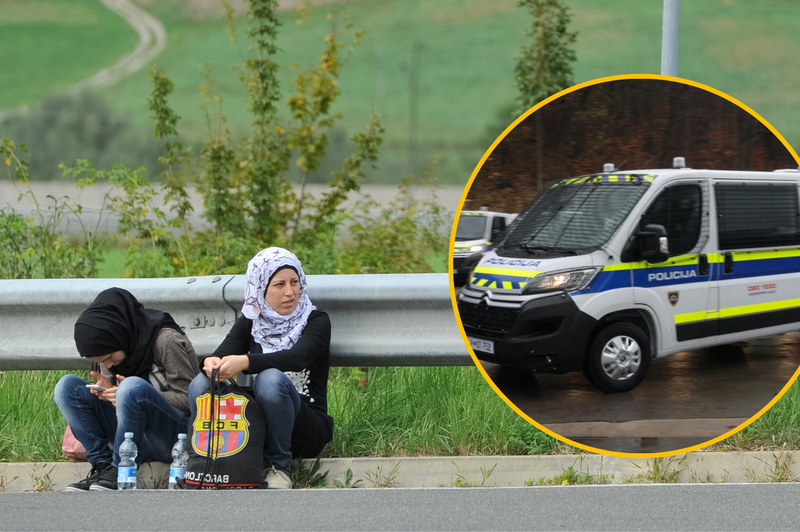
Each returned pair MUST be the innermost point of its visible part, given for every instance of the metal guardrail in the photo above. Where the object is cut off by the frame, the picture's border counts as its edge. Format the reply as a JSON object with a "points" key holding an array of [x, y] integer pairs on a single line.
{"points": [[377, 320]]}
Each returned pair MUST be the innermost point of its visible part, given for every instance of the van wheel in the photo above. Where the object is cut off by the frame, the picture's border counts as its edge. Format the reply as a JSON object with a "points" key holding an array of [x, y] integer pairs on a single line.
{"points": [[618, 358]]}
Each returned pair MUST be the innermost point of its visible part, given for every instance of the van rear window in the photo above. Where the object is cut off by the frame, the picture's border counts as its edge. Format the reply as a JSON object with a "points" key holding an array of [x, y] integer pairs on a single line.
{"points": [[756, 215]]}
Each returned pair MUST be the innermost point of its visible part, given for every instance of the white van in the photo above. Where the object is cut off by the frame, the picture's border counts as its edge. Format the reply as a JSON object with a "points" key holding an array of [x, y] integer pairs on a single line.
{"points": [[603, 273], [475, 233]]}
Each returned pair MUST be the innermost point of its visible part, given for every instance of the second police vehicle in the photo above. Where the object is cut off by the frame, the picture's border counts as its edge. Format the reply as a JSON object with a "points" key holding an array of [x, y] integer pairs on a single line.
{"points": [[603, 273], [475, 234]]}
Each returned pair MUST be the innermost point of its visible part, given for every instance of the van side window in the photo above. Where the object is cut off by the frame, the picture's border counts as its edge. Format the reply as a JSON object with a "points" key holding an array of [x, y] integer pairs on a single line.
{"points": [[679, 209], [498, 224], [757, 215]]}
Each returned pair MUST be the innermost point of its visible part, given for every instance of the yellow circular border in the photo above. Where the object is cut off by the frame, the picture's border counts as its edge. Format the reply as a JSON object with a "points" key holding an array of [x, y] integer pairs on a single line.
{"points": [[452, 247]]}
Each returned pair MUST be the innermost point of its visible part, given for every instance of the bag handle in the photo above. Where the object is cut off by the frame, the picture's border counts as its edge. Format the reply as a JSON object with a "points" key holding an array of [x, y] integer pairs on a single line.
{"points": [[236, 387], [212, 418]]}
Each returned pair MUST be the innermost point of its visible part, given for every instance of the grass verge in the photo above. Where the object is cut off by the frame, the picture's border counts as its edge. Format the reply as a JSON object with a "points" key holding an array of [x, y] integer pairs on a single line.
{"points": [[399, 412], [420, 411], [777, 429], [424, 411], [31, 427]]}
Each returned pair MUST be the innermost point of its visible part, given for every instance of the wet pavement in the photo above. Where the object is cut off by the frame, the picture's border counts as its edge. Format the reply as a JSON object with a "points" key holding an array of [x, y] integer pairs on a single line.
{"points": [[686, 399]]}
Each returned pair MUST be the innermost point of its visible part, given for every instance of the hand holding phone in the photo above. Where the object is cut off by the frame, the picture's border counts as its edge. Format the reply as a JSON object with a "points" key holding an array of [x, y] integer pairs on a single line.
{"points": [[96, 387]]}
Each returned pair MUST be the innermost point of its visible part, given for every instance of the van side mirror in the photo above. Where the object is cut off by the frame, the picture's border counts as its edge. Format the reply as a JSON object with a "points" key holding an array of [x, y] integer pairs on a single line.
{"points": [[650, 244]]}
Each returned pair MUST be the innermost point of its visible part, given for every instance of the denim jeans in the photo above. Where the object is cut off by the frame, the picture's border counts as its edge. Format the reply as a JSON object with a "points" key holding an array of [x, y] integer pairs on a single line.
{"points": [[280, 402], [140, 409]]}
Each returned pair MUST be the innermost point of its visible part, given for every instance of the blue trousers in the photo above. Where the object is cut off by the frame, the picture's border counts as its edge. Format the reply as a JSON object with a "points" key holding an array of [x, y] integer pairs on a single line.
{"points": [[280, 402], [140, 409]]}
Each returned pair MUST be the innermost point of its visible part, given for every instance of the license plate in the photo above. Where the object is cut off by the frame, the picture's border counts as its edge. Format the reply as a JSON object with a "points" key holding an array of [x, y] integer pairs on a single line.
{"points": [[479, 344]]}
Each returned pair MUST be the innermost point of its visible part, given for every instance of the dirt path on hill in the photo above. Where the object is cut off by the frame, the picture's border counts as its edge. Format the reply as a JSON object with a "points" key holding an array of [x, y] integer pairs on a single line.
{"points": [[152, 41]]}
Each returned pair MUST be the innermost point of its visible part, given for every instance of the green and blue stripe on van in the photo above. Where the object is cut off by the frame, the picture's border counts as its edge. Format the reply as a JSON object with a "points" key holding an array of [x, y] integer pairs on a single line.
{"points": [[680, 271], [684, 270]]}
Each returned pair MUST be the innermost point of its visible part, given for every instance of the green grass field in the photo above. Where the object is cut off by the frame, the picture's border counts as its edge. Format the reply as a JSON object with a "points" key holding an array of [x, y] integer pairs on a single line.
{"points": [[743, 47], [48, 45]]}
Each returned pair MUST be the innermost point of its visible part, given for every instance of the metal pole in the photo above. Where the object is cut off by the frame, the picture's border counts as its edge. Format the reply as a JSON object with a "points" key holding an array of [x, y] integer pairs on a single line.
{"points": [[669, 37]]}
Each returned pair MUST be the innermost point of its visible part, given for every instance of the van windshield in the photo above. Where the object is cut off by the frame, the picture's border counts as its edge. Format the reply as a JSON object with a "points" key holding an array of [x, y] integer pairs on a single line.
{"points": [[471, 227], [572, 218]]}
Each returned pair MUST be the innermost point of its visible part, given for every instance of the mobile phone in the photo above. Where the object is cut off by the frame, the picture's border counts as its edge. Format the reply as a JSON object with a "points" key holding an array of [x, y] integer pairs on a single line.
{"points": [[96, 387]]}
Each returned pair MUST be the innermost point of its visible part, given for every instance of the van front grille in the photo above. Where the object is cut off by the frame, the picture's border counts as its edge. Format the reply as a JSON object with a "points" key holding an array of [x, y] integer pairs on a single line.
{"points": [[483, 319]]}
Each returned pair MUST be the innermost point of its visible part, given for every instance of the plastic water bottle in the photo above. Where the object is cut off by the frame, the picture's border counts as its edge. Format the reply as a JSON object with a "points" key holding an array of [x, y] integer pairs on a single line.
{"points": [[179, 460], [126, 471]]}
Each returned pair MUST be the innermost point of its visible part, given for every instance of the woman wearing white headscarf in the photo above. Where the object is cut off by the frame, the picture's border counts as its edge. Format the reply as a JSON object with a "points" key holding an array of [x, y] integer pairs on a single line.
{"points": [[283, 338]]}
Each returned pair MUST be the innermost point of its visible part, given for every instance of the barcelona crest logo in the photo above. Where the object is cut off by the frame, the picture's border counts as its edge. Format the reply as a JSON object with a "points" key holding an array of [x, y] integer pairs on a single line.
{"points": [[230, 433]]}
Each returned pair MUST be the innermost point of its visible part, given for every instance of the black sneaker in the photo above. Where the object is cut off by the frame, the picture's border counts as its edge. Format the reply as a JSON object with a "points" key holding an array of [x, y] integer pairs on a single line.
{"points": [[86, 484], [107, 481]]}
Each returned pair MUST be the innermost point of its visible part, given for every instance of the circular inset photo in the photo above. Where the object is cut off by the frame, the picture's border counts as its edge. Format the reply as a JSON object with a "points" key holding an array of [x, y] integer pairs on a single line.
{"points": [[626, 266]]}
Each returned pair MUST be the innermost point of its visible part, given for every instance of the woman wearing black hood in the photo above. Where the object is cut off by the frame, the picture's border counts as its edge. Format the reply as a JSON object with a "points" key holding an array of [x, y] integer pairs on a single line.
{"points": [[146, 364]]}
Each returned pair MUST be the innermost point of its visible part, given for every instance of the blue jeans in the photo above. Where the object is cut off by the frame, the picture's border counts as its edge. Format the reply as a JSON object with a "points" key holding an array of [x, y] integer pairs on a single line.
{"points": [[140, 409], [280, 402]]}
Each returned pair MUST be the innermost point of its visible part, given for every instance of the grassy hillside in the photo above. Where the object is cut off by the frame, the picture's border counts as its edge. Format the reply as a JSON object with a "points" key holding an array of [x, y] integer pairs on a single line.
{"points": [[50, 44], [747, 48]]}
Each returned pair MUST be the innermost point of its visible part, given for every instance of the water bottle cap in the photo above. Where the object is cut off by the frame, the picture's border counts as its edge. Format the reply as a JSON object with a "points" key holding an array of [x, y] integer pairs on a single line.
{"points": [[129, 435], [181, 436]]}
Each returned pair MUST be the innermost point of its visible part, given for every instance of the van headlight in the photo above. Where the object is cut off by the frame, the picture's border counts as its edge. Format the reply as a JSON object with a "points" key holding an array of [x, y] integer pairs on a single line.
{"points": [[567, 281], [479, 248]]}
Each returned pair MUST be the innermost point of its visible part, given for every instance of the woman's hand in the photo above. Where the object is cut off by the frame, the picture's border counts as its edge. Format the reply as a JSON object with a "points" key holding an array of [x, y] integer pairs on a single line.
{"points": [[231, 365], [110, 394], [100, 381], [209, 364]]}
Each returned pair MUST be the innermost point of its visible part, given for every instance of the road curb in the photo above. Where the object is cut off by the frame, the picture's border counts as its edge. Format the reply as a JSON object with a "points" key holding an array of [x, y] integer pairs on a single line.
{"points": [[485, 471]]}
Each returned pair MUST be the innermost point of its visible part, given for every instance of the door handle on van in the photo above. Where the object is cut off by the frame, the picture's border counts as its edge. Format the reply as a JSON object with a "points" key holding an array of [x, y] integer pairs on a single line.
{"points": [[702, 264], [728, 262]]}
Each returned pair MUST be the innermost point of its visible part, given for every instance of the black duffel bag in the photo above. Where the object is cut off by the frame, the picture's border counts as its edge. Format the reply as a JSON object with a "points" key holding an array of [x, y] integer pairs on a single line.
{"points": [[227, 441]]}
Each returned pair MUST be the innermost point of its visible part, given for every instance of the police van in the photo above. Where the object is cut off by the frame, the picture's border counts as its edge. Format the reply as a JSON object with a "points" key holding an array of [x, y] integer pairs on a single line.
{"points": [[474, 235], [605, 272]]}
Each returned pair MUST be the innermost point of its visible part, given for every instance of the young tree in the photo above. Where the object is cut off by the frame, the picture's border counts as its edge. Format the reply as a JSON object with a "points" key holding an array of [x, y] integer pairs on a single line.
{"points": [[544, 68]]}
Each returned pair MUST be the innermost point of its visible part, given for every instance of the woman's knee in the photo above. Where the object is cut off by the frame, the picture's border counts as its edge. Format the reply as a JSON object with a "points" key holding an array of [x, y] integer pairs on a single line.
{"points": [[198, 385], [69, 388], [130, 389], [271, 381], [272, 377], [273, 387]]}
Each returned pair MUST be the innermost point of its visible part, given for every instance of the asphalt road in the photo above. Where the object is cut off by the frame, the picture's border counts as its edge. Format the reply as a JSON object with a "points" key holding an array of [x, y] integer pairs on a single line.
{"points": [[615, 507], [686, 399]]}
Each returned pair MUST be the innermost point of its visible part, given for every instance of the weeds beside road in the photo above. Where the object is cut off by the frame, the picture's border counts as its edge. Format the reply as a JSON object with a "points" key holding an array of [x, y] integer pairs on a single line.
{"points": [[426, 411], [377, 411]]}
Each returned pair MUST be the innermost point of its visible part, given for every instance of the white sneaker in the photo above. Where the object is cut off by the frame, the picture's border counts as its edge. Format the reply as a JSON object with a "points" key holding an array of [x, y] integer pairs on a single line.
{"points": [[277, 480]]}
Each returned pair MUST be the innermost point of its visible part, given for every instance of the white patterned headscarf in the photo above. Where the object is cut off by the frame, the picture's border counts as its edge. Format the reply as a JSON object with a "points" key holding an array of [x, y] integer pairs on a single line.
{"points": [[274, 331]]}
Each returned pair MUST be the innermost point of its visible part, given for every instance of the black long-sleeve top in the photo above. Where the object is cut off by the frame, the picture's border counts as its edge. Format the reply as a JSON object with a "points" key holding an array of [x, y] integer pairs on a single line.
{"points": [[306, 363]]}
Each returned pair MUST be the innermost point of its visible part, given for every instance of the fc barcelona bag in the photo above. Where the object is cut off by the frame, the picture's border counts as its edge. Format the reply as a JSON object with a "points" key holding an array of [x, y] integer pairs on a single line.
{"points": [[227, 439]]}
